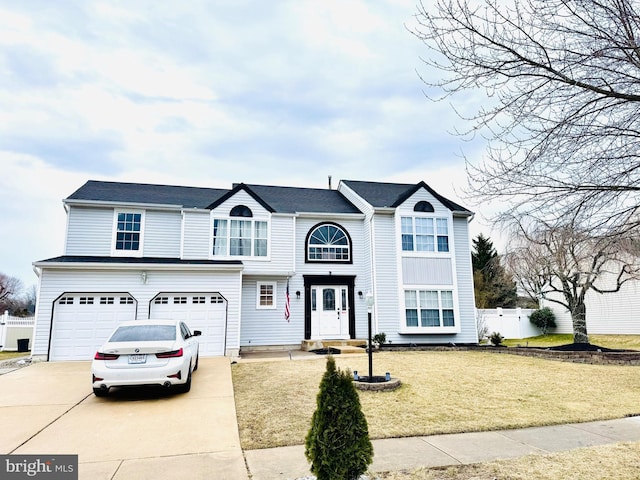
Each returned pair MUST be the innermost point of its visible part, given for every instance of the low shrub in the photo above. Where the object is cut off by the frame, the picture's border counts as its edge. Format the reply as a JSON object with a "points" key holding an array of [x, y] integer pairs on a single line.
{"points": [[544, 319]]}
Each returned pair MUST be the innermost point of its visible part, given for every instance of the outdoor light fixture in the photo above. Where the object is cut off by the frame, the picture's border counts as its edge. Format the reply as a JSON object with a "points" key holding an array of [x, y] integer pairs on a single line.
{"points": [[360, 293], [369, 298], [143, 277], [369, 308], [298, 294]]}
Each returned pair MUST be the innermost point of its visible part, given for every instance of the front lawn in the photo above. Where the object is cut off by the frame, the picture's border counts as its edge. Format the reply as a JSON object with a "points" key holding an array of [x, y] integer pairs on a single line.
{"points": [[10, 355], [442, 392]]}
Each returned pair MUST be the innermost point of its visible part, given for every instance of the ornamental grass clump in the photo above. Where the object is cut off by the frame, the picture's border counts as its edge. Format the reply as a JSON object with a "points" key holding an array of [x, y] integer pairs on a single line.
{"points": [[337, 444]]}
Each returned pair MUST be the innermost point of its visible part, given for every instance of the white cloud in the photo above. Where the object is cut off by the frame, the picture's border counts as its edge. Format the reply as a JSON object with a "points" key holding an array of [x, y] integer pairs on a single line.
{"points": [[206, 94]]}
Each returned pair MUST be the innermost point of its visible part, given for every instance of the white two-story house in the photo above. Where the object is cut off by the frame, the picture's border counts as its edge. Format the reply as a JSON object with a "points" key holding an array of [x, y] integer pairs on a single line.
{"points": [[258, 266]]}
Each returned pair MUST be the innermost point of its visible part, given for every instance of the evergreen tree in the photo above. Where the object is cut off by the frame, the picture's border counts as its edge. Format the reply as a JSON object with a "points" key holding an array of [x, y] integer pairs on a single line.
{"points": [[338, 445], [493, 286]]}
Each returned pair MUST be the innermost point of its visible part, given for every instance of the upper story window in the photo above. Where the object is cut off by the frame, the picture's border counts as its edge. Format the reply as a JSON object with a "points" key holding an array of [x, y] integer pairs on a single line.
{"points": [[128, 233], [328, 242], [425, 234], [241, 236]]}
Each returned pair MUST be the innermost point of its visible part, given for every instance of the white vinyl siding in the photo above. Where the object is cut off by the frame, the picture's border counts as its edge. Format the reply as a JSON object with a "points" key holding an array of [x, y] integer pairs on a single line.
{"points": [[464, 284], [263, 327], [162, 234], [387, 302], [196, 235], [427, 271], [89, 231]]}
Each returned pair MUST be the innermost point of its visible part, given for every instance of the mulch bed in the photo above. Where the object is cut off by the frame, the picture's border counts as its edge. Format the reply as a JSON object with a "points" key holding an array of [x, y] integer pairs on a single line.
{"points": [[585, 347]]}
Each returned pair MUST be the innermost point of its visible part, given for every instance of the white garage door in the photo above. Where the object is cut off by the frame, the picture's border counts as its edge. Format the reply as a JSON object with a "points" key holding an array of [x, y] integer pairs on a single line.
{"points": [[83, 321], [206, 312]]}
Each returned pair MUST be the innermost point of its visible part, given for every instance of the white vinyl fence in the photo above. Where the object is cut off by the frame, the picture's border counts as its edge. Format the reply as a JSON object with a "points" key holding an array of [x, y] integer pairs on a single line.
{"points": [[16, 333], [509, 322]]}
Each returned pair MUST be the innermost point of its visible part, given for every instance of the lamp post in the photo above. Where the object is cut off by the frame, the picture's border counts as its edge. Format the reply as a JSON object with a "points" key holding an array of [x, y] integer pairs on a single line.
{"points": [[369, 297]]}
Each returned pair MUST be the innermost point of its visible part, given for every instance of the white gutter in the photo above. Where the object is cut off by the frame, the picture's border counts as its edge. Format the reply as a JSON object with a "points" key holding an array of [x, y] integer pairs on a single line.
{"points": [[98, 203]]}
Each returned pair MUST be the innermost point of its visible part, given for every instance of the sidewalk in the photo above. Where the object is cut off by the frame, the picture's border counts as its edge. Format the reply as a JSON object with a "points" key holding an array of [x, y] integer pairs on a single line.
{"points": [[289, 463]]}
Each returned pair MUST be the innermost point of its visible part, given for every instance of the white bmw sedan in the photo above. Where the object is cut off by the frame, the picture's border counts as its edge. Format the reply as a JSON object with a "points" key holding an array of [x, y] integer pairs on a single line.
{"points": [[146, 352]]}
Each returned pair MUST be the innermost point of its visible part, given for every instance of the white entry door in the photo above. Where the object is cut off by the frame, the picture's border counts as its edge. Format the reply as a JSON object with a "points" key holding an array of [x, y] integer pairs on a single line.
{"points": [[329, 312]]}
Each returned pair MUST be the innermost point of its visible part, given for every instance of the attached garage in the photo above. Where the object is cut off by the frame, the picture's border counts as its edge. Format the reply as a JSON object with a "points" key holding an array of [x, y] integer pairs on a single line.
{"points": [[206, 312], [83, 321]]}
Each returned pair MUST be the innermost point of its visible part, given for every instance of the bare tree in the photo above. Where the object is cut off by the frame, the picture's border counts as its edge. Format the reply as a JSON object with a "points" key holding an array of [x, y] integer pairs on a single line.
{"points": [[560, 81], [563, 263], [10, 291]]}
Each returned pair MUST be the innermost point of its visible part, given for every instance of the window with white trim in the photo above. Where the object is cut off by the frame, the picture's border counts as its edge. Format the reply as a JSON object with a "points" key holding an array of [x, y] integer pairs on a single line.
{"points": [[266, 298], [429, 308], [128, 231], [424, 234], [328, 243], [240, 237]]}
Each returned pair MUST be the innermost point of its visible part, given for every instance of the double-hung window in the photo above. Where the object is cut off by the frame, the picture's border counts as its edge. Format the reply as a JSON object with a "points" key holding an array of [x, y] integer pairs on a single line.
{"points": [[128, 233], [241, 236], [266, 295], [429, 308], [424, 234]]}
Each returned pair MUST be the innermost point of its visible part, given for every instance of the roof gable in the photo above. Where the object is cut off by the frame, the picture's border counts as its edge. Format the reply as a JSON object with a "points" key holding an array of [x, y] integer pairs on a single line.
{"points": [[392, 195], [236, 189]]}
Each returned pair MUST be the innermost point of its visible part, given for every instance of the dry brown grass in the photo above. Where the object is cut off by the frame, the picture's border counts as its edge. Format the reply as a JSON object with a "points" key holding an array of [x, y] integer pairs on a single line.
{"points": [[10, 355], [619, 461], [442, 392]]}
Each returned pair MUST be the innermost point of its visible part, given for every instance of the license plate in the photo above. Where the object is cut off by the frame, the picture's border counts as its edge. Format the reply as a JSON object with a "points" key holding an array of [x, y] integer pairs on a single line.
{"points": [[141, 358]]}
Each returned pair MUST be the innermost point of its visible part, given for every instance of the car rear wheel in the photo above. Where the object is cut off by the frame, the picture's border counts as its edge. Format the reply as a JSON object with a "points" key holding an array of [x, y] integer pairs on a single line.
{"points": [[100, 392], [186, 386]]}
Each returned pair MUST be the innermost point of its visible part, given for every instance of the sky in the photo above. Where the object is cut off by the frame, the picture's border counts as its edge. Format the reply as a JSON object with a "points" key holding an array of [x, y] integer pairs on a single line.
{"points": [[207, 94]]}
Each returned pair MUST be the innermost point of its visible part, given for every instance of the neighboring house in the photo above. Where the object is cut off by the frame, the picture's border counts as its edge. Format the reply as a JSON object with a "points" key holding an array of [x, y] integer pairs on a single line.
{"points": [[609, 313], [225, 260]]}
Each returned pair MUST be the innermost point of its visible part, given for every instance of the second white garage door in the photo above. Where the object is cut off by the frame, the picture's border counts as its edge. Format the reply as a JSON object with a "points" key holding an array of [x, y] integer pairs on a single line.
{"points": [[83, 321], [206, 312]]}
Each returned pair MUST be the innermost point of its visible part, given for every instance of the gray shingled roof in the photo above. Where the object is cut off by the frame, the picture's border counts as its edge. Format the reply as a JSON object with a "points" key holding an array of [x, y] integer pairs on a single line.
{"points": [[390, 195], [187, 197], [277, 199], [312, 200]]}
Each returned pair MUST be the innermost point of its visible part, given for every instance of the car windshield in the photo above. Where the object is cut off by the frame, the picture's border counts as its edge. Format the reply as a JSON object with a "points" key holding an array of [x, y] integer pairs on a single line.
{"points": [[147, 333]]}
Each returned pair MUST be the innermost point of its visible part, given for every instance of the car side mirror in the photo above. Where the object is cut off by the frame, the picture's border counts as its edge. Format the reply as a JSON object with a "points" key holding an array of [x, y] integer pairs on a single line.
{"points": [[197, 333]]}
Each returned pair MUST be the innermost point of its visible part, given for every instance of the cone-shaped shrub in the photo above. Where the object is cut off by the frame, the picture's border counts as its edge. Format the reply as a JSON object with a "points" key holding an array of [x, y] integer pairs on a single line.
{"points": [[338, 445]]}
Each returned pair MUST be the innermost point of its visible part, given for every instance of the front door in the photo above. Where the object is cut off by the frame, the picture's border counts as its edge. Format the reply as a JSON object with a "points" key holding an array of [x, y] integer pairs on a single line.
{"points": [[329, 312]]}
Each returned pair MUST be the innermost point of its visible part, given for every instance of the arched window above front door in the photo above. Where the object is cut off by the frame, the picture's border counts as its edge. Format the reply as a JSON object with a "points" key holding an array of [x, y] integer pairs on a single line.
{"points": [[328, 243]]}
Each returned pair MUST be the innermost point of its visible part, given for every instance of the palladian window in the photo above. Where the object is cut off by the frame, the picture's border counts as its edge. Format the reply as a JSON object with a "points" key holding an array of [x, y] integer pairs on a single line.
{"points": [[328, 242]]}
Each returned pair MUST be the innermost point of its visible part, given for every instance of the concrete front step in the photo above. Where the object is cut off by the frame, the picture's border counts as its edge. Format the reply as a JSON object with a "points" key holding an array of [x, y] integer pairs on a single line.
{"points": [[345, 346]]}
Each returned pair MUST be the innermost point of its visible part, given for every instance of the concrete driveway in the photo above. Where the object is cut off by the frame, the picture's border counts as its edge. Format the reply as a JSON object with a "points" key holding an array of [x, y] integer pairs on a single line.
{"points": [[49, 408]]}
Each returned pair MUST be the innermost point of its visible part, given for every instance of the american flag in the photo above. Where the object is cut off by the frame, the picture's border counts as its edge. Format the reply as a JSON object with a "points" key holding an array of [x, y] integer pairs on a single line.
{"points": [[287, 304]]}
